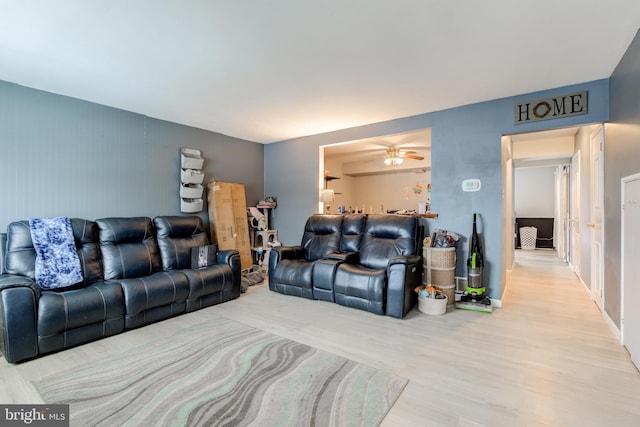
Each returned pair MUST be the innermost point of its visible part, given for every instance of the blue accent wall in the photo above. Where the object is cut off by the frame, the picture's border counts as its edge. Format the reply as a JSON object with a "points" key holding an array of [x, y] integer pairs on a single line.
{"points": [[60, 156], [466, 143]]}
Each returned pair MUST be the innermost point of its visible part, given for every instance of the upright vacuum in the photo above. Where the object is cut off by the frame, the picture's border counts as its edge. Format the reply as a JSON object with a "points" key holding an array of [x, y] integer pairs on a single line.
{"points": [[474, 298]]}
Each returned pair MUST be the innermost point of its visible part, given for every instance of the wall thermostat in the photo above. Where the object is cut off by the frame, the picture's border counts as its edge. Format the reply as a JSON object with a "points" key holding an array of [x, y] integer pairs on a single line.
{"points": [[471, 185]]}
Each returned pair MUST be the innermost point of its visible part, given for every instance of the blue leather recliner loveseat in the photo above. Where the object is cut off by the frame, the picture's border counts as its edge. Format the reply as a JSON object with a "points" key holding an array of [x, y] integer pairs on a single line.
{"points": [[369, 262]]}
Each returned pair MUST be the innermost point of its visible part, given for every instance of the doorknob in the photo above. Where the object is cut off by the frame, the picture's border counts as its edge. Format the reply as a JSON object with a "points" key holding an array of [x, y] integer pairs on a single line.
{"points": [[591, 225]]}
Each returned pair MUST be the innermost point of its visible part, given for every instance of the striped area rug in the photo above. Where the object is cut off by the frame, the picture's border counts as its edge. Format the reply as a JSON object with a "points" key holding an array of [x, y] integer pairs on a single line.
{"points": [[223, 373]]}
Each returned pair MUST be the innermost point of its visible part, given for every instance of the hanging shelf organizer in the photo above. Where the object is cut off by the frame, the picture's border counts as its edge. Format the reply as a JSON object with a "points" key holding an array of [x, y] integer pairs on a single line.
{"points": [[191, 179]]}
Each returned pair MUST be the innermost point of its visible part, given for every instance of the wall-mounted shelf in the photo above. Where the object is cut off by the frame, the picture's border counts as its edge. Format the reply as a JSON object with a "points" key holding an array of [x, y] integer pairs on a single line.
{"points": [[328, 178]]}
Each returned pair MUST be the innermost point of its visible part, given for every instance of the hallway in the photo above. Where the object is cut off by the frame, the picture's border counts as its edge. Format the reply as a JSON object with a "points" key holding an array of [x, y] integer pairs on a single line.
{"points": [[572, 354]]}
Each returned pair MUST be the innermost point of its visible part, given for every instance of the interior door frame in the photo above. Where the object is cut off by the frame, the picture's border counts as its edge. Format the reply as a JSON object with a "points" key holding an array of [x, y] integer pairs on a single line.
{"points": [[561, 212], [574, 207], [597, 188]]}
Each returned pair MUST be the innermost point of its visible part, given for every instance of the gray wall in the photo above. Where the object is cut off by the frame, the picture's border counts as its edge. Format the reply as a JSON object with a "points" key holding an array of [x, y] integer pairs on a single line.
{"points": [[621, 158], [62, 156], [466, 143]]}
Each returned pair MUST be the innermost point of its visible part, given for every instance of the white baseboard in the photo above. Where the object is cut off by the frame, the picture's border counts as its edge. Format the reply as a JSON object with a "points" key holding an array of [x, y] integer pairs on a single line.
{"points": [[612, 326]]}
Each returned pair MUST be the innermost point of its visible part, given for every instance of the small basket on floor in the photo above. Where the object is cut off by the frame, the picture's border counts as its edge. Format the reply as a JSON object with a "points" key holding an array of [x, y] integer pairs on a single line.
{"points": [[432, 306]]}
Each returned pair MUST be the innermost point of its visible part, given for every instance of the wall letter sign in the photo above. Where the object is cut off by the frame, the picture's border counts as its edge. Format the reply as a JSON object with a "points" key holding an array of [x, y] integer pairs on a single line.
{"points": [[573, 104]]}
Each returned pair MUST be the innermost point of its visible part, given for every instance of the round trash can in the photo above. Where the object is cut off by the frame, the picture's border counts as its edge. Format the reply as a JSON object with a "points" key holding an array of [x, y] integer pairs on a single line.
{"points": [[528, 237]]}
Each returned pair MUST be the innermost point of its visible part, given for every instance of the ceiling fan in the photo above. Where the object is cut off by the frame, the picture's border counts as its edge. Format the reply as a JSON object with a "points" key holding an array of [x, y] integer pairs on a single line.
{"points": [[395, 156]]}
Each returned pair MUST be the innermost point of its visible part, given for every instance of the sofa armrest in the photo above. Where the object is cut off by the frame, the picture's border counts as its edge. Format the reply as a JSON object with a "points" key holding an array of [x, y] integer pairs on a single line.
{"points": [[8, 281], [277, 254], [403, 275], [226, 256], [288, 252], [18, 317], [405, 259], [232, 257]]}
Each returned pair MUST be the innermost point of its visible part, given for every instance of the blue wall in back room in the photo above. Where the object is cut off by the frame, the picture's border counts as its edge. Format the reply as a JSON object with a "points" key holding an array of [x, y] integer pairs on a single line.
{"points": [[466, 143], [60, 156]]}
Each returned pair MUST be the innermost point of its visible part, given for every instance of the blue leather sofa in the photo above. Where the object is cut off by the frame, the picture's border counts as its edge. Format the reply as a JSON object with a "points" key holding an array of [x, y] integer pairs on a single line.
{"points": [[135, 271], [369, 262]]}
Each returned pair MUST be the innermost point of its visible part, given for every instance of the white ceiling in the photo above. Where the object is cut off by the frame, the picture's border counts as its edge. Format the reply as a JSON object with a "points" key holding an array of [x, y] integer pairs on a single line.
{"points": [[274, 70], [364, 149]]}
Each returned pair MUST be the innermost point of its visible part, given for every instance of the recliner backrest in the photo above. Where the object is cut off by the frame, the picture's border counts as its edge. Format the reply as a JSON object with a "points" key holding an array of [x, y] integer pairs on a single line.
{"points": [[20, 255], [321, 236], [129, 247], [386, 236], [352, 230], [177, 235]]}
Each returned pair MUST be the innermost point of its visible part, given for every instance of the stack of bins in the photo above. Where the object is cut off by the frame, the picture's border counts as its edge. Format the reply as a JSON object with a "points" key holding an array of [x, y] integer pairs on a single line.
{"points": [[440, 270]]}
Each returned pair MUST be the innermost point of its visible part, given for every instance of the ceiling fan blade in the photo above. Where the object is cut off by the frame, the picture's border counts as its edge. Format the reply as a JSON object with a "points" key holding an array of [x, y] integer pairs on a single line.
{"points": [[411, 156]]}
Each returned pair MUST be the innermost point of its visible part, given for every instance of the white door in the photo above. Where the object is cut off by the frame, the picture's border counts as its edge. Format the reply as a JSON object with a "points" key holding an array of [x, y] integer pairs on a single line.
{"points": [[574, 223], [595, 226], [630, 266]]}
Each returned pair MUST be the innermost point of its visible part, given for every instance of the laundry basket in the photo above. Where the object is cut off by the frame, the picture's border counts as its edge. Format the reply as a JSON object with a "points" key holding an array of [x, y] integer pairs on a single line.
{"points": [[528, 237], [439, 269], [439, 266]]}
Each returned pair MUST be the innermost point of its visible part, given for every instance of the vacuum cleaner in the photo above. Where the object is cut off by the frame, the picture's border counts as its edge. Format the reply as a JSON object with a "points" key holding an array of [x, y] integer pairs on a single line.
{"points": [[474, 298]]}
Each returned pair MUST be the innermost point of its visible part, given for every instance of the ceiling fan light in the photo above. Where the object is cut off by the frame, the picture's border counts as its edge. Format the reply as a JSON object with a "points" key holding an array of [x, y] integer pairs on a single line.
{"points": [[393, 161]]}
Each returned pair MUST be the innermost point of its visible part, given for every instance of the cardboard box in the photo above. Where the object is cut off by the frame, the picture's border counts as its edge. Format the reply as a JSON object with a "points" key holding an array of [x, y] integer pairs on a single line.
{"points": [[228, 219]]}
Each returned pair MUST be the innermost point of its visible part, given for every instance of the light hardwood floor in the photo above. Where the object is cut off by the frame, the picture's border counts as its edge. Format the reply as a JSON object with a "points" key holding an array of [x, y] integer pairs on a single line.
{"points": [[547, 358]]}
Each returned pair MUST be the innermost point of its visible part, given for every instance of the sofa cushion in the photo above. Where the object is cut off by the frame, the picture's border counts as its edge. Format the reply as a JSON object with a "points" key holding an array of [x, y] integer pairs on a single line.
{"points": [[204, 283], [293, 277], [155, 297], [177, 235], [20, 257], [360, 287], [321, 236], [77, 316], [386, 236], [352, 229], [87, 235], [129, 247]]}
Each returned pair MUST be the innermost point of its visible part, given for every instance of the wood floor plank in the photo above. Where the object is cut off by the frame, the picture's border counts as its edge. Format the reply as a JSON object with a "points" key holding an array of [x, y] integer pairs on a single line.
{"points": [[547, 358]]}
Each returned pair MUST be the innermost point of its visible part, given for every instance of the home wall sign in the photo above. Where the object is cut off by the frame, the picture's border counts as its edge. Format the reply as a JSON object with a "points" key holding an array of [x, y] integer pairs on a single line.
{"points": [[573, 104]]}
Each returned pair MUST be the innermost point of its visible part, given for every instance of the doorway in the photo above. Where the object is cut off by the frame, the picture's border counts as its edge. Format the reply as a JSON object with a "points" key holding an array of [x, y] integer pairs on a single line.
{"points": [[389, 173], [571, 154]]}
